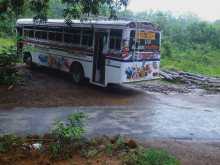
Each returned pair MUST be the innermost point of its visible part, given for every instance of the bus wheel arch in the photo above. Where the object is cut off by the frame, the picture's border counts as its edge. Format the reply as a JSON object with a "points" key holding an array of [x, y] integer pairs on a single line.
{"points": [[77, 72]]}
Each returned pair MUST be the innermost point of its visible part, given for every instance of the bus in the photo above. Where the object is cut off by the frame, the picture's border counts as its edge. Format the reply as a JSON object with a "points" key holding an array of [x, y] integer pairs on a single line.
{"points": [[105, 52]]}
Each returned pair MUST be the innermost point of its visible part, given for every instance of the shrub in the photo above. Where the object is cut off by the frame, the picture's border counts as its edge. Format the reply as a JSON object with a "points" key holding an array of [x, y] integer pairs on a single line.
{"points": [[67, 136], [8, 56], [150, 157], [8, 72], [9, 142]]}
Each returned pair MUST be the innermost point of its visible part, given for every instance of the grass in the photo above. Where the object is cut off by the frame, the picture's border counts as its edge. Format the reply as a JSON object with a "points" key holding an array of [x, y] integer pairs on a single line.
{"points": [[194, 61], [150, 157], [7, 42]]}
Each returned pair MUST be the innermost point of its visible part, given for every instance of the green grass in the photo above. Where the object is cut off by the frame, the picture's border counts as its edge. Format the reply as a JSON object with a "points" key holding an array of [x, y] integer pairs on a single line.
{"points": [[7, 42], [150, 157], [195, 61]]}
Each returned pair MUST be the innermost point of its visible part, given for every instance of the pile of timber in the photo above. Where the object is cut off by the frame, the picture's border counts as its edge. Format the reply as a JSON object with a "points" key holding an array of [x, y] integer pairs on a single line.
{"points": [[190, 78]]}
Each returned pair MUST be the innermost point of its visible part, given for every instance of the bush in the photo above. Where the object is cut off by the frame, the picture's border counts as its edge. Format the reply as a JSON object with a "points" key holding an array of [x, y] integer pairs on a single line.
{"points": [[9, 142], [150, 157], [67, 136], [8, 56], [8, 60]]}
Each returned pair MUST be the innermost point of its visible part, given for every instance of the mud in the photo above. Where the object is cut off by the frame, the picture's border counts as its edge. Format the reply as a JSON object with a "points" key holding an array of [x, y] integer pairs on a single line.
{"points": [[145, 110], [47, 88]]}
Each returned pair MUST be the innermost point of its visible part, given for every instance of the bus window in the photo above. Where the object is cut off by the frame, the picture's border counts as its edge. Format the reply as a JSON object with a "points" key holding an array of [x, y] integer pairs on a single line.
{"points": [[72, 35], [40, 35], [132, 40], [87, 37], [115, 39], [76, 39], [26, 33], [68, 38], [59, 37], [31, 34], [55, 36], [143, 41], [37, 34], [52, 36]]}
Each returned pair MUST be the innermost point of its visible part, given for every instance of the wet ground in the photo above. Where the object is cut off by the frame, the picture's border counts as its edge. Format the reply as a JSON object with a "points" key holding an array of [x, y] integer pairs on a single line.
{"points": [[139, 110], [177, 116], [182, 119]]}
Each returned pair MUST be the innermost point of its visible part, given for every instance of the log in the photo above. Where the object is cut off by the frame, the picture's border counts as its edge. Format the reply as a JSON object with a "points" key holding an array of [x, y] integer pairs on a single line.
{"points": [[191, 78], [166, 76]]}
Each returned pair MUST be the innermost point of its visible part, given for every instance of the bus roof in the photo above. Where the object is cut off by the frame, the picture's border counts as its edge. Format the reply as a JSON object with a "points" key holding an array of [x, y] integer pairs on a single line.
{"points": [[115, 23]]}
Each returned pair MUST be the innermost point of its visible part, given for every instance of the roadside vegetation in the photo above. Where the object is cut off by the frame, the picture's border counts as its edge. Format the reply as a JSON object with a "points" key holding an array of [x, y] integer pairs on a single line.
{"points": [[67, 145], [8, 61]]}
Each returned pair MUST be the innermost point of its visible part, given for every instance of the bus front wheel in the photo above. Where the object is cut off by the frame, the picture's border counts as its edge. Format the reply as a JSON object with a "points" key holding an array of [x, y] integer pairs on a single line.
{"points": [[77, 73]]}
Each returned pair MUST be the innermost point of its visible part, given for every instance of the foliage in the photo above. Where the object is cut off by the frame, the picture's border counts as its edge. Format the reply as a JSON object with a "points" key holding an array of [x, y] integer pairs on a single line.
{"points": [[9, 142], [8, 72], [73, 129], [150, 157], [195, 61], [68, 136], [40, 8], [85, 8], [8, 56]]}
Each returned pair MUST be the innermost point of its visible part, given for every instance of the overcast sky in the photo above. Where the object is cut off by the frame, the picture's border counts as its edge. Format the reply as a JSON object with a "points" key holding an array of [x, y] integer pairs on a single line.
{"points": [[205, 9]]}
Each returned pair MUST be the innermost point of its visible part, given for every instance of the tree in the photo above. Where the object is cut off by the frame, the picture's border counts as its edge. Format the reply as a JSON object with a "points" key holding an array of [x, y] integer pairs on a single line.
{"points": [[86, 8]]}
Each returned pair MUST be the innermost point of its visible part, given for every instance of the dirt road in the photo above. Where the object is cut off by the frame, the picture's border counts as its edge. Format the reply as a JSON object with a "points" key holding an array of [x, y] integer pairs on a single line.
{"points": [[135, 110], [183, 120]]}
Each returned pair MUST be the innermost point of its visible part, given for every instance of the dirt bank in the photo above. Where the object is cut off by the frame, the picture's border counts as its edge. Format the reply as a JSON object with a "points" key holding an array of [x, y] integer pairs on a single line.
{"points": [[45, 88]]}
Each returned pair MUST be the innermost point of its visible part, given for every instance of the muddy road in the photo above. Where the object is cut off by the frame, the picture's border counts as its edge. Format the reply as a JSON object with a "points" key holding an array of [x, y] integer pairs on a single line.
{"points": [[181, 118], [178, 112], [176, 117]]}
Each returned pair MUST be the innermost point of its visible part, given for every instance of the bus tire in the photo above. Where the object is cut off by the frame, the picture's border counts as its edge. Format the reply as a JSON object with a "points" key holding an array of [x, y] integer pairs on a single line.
{"points": [[77, 73], [27, 59]]}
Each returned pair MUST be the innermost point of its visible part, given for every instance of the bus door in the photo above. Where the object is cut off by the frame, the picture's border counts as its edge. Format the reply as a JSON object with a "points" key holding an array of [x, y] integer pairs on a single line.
{"points": [[99, 58]]}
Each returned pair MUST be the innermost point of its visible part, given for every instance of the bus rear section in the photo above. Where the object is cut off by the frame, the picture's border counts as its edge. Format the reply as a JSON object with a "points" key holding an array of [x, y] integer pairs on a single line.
{"points": [[143, 60]]}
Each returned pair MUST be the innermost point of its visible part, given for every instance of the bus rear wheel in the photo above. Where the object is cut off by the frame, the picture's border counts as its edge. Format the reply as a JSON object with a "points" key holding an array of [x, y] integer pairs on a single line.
{"points": [[77, 74]]}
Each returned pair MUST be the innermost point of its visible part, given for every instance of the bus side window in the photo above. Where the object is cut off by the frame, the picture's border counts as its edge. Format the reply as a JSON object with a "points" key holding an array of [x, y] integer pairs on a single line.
{"points": [[87, 37], [115, 39], [26, 33], [37, 34], [31, 34], [76, 36], [55, 34], [52, 36], [72, 35], [132, 40]]}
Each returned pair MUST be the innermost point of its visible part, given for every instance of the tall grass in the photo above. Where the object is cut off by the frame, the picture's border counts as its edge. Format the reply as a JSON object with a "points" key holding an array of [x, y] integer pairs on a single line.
{"points": [[206, 62], [7, 42]]}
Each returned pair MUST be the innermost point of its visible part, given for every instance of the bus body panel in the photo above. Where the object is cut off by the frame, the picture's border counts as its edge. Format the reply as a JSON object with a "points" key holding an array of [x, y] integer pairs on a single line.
{"points": [[61, 60], [139, 71]]}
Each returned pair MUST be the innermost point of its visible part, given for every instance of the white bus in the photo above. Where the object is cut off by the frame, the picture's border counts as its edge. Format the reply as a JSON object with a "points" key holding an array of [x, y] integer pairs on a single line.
{"points": [[103, 51]]}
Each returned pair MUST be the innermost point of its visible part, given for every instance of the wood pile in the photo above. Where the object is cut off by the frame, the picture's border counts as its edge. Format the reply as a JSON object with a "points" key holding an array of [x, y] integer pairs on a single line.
{"points": [[191, 78]]}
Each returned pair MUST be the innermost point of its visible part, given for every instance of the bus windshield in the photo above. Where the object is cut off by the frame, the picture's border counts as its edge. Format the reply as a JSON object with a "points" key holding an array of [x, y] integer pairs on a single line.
{"points": [[144, 41]]}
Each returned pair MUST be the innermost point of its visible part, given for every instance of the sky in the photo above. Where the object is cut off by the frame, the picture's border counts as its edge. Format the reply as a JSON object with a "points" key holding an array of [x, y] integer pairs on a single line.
{"points": [[208, 10]]}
